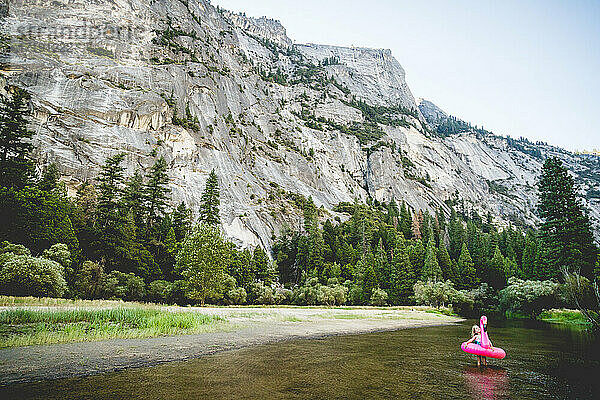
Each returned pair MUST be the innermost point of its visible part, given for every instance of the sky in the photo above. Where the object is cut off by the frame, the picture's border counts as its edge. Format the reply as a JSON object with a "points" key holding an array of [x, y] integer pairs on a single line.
{"points": [[518, 68]]}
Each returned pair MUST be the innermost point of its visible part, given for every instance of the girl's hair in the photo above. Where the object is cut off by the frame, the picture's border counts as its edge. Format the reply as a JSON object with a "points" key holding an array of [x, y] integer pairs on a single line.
{"points": [[473, 330]]}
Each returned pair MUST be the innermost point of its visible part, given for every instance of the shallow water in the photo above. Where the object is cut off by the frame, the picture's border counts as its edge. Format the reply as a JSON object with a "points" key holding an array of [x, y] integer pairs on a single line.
{"points": [[543, 362]]}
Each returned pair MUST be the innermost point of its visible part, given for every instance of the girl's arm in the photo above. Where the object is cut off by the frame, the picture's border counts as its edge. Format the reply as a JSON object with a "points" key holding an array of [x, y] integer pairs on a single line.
{"points": [[470, 340]]}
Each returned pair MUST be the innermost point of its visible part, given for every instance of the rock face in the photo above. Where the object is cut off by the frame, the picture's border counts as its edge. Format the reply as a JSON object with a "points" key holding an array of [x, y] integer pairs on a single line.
{"points": [[272, 118]]}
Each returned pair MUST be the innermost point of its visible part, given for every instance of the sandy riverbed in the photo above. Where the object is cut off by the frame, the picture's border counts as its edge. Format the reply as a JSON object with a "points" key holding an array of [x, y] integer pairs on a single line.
{"points": [[247, 326]]}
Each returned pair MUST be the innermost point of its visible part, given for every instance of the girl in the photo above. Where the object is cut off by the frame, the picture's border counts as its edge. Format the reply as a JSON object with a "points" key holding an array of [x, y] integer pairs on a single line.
{"points": [[476, 338]]}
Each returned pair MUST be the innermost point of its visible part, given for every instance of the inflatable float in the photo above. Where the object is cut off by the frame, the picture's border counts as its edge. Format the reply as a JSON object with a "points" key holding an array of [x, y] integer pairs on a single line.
{"points": [[485, 349]]}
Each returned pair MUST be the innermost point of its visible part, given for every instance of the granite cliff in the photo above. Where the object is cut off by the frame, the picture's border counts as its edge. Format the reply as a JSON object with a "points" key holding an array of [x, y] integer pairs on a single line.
{"points": [[206, 88]]}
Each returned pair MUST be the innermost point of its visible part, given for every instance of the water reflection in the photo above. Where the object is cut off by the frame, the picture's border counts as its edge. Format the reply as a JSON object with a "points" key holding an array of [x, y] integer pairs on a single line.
{"points": [[489, 383]]}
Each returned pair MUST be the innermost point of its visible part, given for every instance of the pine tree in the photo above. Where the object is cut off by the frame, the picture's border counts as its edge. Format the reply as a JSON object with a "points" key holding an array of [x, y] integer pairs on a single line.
{"points": [[382, 266], [529, 255], [156, 193], [431, 269], [405, 221], [597, 270], [495, 273], [209, 202], [369, 280], [416, 253], [456, 235], [111, 182], [261, 267], [445, 263], [133, 198], [16, 166], [565, 233], [50, 178], [182, 221], [402, 275], [466, 269]]}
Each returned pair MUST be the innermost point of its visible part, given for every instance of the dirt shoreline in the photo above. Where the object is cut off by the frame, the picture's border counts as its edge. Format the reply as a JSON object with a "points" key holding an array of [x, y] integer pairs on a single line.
{"points": [[248, 327]]}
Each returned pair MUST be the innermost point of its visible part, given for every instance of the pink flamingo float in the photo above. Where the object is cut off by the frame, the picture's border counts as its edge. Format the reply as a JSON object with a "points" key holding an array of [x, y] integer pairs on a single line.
{"points": [[484, 349]]}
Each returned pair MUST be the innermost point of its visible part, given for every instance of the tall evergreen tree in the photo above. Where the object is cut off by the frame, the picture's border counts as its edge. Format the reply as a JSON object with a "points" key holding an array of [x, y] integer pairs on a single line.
{"points": [[402, 275], [182, 221], [369, 281], [209, 202], [156, 193], [16, 165], [416, 253], [133, 198], [445, 263], [405, 221], [529, 255], [417, 221], [495, 273], [50, 178], [466, 269], [431, 268], [565, 233], [456, 235], [111, 182]]}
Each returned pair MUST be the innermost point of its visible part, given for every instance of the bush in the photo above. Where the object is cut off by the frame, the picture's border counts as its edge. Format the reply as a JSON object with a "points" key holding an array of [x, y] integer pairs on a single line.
{"points": [[262, 294], [439, 294], [355, 294], [60, 253], [178, 293], [90, 280], [379, 297], [16, 249], [528, 298], [485, 300], [123, 286], [22, 275], [159, 291], [236, 295], [314, 293]]}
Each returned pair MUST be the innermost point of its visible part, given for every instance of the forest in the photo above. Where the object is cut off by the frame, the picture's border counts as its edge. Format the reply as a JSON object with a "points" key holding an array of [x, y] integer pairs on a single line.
{"points": [[122, 237]]}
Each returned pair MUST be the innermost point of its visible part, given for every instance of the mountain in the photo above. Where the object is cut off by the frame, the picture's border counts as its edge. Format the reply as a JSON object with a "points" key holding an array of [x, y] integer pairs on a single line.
{"points": [[210, 89]]}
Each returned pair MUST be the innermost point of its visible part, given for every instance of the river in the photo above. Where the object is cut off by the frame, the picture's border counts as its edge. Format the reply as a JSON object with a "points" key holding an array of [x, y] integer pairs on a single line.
{"points": [[543, 362]]}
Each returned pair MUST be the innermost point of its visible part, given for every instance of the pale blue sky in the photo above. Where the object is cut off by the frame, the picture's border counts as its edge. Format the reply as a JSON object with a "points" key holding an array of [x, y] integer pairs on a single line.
{"points": [[522, 68]]}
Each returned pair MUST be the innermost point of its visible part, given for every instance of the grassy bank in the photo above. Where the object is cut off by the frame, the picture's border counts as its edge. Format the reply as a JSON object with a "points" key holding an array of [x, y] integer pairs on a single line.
{"points": [[24, 327], [563, 316]]}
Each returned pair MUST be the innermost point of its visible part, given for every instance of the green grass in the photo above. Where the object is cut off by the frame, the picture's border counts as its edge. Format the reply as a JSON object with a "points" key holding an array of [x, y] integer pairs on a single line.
{"points": [[24, 327], [556, 316]]}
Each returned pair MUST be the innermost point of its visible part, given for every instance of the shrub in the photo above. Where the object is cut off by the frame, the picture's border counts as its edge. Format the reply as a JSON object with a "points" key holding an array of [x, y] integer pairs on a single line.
{"points": [[16, 249], [178, 293], [90, 280], [22, 275], [434, 293], [236, 295], [379, 297], [123, 286], [485, 300], [313, 293], [60, 253], [528, 298], [262, 294], [159, 291]]}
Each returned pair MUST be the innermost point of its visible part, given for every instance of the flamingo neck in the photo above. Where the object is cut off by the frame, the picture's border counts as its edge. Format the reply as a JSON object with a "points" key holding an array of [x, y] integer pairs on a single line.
{"points": [[485, 341]]}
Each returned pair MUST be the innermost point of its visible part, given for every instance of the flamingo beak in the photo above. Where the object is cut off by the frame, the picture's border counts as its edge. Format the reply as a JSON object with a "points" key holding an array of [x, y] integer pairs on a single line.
{"points": [[485, 327]]}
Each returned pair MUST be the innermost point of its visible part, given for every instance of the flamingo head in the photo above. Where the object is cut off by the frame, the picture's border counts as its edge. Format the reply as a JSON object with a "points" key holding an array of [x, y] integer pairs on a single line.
{"points": [[483, 323]]}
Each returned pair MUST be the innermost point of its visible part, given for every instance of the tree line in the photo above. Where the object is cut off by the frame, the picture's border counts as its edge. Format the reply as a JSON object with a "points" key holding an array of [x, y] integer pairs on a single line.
{"points": [[121, 236]]}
